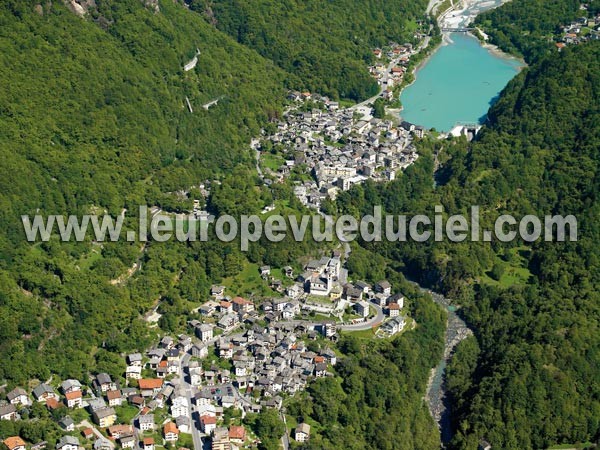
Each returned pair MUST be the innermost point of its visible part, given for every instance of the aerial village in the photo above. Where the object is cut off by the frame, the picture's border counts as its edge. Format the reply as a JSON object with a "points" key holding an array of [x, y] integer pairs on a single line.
{"points": [[580, 30], [341, 147], [241, 356]]}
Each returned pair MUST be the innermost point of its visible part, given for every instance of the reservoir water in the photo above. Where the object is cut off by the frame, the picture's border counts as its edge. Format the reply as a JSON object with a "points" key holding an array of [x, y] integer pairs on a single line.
{"points": [[457, 84]]}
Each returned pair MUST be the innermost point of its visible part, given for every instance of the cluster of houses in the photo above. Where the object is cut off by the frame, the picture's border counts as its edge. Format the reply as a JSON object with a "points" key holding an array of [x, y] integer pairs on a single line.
{"points": [[184, 384], [340, 148], [579, 31], [390, 75]]}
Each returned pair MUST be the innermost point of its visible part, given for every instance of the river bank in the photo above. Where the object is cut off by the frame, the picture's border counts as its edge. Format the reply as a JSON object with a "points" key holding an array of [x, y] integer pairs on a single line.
{"points": [[458, 79]]}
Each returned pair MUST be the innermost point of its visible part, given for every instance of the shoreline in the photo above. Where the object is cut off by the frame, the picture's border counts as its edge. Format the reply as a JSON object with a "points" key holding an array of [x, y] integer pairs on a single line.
{"points": [[446, 40]]}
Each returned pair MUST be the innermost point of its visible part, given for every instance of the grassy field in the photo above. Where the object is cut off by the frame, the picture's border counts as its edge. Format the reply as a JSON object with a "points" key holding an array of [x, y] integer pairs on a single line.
{"points": [[248, 283], [270, 161], [516, 271], [365, 334]]}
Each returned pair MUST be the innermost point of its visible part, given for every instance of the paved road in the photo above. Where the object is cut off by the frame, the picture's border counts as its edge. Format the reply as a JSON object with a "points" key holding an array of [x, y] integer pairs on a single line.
{"points": [[186, 389], [367, 325]]}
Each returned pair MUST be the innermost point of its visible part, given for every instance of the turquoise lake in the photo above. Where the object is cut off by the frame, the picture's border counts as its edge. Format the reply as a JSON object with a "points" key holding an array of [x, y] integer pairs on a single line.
{"points": [[456, 85]]}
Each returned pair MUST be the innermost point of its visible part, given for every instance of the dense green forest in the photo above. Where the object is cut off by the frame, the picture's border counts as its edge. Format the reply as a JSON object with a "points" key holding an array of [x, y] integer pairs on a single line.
{"points": [[529, 378], [94, 116], [326, 44]]}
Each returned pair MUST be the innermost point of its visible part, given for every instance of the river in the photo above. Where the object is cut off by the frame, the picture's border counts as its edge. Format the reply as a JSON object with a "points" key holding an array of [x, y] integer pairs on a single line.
{"points": [[456, 331], [461, 79]]}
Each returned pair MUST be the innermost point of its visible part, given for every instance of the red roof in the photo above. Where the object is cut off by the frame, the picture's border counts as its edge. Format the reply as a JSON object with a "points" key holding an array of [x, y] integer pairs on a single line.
{"points": [[87, 432], [237, 432], [208, 420], [150, 383], [148, 441], [170, 428], [14, 442], [73, 395], [52, 403], [394, 306], [111, 395], [241, 301]]}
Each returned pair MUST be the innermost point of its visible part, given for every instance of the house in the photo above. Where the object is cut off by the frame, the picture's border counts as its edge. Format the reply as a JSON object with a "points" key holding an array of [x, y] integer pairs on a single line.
{"points": [[148, 443], [394, 325], [396, 299], [217, 291], [116, 431], [242, 305], [133, 372], [204, 332], [208, 424], [383, 287], [393, 310], [114, 397], [52, 404], [180, 407], [134, 359], [127, 441], [14, 443], [74, 399], [265, 271], [67, 424], [104, 417], [183, 424], [68, 443], [18, 396], [43, 392], [102, 444], [171, 432], [237, 434], [225, 307], [221, 440], [70, 385], [96, 403], [302, 432], [228, 322], [362, 308], [87, 433], [8, 412], [103, 381], [149, 387], [320, 370], [199, 351], [146, 422], [39, 446]]}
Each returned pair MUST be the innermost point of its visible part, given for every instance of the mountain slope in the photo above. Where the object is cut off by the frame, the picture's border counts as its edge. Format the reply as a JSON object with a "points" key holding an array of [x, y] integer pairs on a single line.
{"points": [[326, 44]]}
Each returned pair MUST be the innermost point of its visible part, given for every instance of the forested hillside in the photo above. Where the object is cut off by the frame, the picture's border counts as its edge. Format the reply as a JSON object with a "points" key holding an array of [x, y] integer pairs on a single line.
{"points": [[526, 27], [326, 44], [94, 115], [528, 379]]}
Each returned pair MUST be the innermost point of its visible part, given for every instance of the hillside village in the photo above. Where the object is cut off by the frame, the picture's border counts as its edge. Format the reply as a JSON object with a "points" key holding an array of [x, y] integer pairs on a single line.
{"points": [[242, 356], [579, 31], [341, 147]]}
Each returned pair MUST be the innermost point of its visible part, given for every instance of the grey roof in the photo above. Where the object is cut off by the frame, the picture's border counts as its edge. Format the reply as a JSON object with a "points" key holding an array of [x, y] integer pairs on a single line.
{"points": [[147, 418], [68, 384], [66, 422], [16, 392], [104, 412], [67, 440], [42, 389], [8, 409], [103, 378]]}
